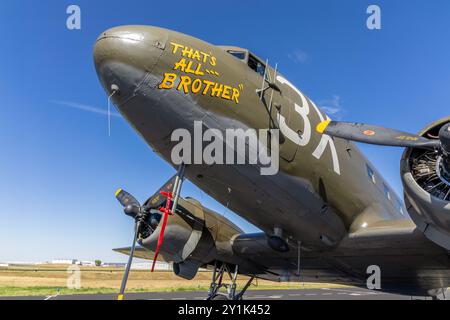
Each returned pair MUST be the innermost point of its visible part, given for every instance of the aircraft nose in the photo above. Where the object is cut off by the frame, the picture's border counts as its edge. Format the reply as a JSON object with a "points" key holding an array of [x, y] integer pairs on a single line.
{"points": [[124, 55]]}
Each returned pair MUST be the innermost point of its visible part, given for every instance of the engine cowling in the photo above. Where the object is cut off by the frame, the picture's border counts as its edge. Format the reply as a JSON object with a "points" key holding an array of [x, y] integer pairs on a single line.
{"points": [[427, 188], [194, 236]]}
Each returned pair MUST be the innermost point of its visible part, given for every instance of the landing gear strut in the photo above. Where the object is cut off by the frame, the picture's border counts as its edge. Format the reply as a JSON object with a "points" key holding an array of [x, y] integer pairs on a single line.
{"points": [[218, 283]]}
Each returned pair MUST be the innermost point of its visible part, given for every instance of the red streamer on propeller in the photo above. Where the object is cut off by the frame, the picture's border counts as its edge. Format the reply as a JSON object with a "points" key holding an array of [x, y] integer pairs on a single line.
{"points": [[166, 212]]}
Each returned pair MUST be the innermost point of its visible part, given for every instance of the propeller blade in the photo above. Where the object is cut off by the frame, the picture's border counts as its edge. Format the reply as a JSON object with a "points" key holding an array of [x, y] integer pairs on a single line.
{"points": [[128, 267], [166, 211], [377, 135], [156, 200], [126, 199]]}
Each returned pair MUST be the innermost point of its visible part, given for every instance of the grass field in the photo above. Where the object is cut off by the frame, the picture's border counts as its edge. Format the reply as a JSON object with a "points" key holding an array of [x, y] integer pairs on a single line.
{"points": [[45, 280]]}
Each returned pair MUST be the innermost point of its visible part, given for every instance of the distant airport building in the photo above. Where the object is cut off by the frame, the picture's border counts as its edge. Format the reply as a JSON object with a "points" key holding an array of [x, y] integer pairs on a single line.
{"points": [[113, 264], [21, 263], [159, 266], [64, 261]]}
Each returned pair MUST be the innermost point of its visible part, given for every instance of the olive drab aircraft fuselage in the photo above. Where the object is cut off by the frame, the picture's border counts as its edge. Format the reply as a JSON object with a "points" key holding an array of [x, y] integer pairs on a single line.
{"points": [[327, 199]]}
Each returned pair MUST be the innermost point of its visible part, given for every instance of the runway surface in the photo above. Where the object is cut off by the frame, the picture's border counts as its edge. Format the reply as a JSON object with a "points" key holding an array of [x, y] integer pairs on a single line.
{"points": [[304, 294]]}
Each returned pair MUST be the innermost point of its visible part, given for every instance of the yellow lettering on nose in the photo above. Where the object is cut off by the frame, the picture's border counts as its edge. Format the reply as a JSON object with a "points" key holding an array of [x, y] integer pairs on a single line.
{"points": [[217, 90], [189, 68], [180, 65], [184, 84], [226, 94], [196, 86], [169, 81], [187, 52], [176, 46], [199, 71], [208, 85], [235, 96], [196, 55], [205, 56]]}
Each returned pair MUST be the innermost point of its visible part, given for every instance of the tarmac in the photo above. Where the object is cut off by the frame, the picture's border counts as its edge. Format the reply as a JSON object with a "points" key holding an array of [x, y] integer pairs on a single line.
{"points": [[303, 294]]}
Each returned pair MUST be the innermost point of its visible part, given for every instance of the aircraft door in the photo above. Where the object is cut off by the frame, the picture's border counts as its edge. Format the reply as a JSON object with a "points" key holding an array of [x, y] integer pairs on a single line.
{"points": [[284, 117], [274, 97]]}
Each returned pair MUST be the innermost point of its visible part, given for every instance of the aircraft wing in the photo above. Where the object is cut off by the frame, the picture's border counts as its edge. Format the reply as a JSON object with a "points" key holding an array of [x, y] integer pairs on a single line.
{"points": [[140, 252], [401, 251], [405, 258]]}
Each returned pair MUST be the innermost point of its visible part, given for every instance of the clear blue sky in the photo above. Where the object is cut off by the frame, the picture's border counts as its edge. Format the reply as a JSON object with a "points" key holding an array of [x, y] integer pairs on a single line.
{"points": [[58, 167]]}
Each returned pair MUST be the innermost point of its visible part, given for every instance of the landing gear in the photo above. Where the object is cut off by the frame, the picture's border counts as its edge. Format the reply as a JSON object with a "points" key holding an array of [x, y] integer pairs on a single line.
{"points": [[440, 294], [230, 288]]}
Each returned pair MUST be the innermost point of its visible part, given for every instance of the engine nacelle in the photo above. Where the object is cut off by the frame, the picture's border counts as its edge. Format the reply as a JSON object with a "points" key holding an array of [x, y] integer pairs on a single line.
{"points": [[186, 269], [427, 189], [194, 236]]}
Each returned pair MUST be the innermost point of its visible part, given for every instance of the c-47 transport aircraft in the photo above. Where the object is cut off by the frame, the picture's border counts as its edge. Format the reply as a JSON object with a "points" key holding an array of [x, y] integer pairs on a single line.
{"points": [[326, 214]]}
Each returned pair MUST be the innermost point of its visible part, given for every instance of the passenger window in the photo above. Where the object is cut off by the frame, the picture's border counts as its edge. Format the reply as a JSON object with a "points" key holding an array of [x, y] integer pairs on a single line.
{"points": [[371, 174], [256, 66], [387, 192], [399, 206], [238, 54]]}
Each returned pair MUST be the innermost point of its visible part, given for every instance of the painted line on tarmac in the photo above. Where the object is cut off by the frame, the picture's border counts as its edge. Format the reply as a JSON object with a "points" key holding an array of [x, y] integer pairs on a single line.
{"points": [[264, 297], [349, 292]]}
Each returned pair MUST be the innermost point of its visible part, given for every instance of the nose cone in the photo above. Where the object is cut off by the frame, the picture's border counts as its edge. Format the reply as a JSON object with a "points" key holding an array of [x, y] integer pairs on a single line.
{"points": [[124, 55]]}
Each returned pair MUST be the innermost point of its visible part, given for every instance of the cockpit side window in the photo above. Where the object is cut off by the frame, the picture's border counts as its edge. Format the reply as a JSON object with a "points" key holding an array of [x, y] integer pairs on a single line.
{"points": [[238, 54], [256, 65]]}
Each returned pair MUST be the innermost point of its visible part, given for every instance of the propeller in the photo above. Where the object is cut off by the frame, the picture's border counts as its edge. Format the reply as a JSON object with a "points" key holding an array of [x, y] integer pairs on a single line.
{"points": [[156, 201], [141, 213], [131, 206], [133, 209], [377, 135], [128, 267]]}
